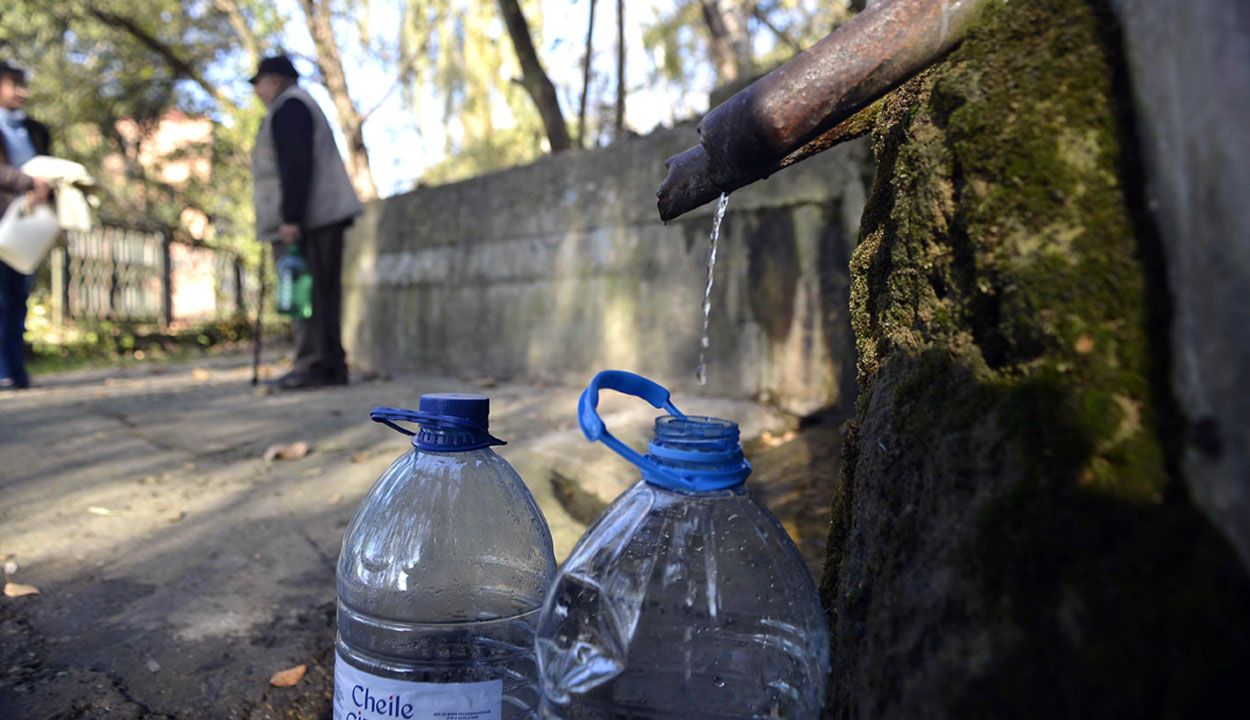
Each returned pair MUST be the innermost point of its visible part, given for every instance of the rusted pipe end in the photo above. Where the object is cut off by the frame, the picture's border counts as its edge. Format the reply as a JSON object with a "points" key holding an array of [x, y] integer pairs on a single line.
{"points": [[687, 185]]}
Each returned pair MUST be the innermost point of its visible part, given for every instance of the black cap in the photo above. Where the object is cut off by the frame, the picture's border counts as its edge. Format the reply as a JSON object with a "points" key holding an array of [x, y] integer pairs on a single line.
{"points": [[276, 65]]}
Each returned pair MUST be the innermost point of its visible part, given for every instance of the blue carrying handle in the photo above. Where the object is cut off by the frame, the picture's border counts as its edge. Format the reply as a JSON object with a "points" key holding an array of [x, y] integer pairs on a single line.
{"points": [[390, 416], [626, 383]]}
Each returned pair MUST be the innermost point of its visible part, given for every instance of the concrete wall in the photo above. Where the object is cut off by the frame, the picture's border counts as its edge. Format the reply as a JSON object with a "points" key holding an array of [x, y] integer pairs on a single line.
{"points": [[1190, 66], [553, 271]]}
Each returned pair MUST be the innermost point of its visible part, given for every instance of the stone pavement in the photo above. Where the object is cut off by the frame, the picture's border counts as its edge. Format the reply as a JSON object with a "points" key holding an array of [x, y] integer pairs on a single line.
{"points": [[178, 569]]}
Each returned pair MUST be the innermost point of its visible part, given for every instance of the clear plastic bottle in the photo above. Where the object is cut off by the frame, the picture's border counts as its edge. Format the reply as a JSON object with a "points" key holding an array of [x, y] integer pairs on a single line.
{"points": [[440, 578], [294, 292], [686, 598]]}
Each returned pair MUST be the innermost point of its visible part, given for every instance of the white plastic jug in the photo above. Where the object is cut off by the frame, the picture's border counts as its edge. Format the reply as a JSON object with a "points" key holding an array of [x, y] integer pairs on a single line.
{"points": [[26, 236]]}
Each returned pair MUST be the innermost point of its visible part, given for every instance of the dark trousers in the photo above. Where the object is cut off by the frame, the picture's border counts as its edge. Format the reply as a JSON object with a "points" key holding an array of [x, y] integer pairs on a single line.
{"points": [[319, 339], [14, 289]]}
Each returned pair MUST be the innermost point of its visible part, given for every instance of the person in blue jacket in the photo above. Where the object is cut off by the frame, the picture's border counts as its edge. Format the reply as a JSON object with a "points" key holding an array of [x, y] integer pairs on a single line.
{"points": [[21, 138]]}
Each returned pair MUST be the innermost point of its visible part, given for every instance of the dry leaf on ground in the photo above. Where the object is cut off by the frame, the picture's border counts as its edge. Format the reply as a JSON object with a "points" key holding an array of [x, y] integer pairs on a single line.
{"points": [[288, 677], [97, 510], [335, 499], [287, 451], [360, 456], [200, 374], [12, 589]]}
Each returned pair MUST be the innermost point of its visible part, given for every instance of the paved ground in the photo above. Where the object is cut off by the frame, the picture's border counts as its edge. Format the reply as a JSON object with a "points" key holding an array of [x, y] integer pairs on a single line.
{"points": [[178, 569]]}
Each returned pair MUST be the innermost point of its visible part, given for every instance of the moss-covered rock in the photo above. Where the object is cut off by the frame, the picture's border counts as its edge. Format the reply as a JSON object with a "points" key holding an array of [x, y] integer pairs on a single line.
{"points": [[1010, 537]]}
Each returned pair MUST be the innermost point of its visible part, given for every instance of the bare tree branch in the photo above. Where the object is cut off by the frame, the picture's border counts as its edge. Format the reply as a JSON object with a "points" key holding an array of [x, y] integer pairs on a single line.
{"points": [[781, 35], [581, 109], [351, 122], [180, 66], [534, 78], [620, 70], [238, 23]]}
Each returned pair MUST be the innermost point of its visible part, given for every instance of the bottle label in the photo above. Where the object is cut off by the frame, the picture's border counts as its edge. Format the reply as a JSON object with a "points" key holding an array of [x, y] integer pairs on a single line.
{"points": [[361, 696]]}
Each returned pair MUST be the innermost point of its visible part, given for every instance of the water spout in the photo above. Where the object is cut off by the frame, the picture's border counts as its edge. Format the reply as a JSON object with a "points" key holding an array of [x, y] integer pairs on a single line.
{"points": [[801, 107]]}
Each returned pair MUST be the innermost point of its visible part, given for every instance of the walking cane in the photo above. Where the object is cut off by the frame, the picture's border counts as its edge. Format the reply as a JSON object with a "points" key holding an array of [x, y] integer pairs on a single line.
{"points": [[260, 313]]}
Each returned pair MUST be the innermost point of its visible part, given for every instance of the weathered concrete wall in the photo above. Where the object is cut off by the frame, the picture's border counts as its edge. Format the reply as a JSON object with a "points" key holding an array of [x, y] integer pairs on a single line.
{"points": [[1012, 534], [550, 272], [1190, 64]]}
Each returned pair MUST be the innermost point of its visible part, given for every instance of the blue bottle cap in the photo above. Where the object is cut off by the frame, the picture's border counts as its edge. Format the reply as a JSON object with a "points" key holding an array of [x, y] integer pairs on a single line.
{"points": [[450, 422], [474, 408]]}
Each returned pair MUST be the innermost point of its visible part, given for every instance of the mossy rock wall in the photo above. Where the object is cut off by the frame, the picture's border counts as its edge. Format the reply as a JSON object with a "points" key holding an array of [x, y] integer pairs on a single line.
{"points": [[1011, 536]]}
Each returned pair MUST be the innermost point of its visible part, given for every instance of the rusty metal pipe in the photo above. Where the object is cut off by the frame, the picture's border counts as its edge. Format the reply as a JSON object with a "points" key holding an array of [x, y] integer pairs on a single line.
{"points": [[750, 135]]}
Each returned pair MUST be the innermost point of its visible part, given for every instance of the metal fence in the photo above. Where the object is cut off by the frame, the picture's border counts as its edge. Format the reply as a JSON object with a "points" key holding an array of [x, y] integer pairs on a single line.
{"points": [[127, 274]]}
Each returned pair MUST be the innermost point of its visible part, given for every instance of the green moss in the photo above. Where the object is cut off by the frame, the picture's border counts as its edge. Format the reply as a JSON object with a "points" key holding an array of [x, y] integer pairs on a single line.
{"points": [[1011, 396], [997, 228]]}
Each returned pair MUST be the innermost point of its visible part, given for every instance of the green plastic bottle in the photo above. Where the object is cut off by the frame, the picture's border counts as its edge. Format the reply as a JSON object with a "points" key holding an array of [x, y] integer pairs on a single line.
{"points": [[294, 295]]}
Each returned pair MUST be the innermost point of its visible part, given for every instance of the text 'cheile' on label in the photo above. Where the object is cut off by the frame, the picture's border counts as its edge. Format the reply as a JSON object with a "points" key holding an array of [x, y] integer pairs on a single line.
{"points": [[361, 696]]}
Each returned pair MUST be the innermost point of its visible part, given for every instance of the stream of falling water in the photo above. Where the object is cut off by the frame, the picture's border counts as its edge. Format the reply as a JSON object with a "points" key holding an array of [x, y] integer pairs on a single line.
{"points": [[701, 372]]}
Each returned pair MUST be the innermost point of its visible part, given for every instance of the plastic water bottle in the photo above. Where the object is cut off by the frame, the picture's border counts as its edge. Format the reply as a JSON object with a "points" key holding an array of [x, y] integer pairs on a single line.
{"points": [[441, 576], [294, 292], [686, 598]]}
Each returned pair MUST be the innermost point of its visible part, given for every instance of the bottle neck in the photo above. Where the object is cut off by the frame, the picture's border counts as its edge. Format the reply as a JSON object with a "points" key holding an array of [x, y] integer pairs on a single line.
{"points": [[433, 438], [696, 454]]}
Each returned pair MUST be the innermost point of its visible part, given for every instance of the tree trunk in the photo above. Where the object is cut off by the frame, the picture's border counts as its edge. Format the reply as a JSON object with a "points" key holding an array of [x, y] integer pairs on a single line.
{"points": [[730, 40], [351, 122], [534, 78], [581, 108], [619, 124], [1010, 535]]}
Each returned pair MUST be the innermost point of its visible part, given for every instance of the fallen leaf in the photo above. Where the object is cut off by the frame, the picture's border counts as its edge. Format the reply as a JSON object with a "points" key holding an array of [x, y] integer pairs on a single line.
{"points": [[288, 677], [101, 394], [360, 456], [200, 374], [288, 451], [96, 510], [12, 589], [177, 515], [335, 499], [486, 382]]}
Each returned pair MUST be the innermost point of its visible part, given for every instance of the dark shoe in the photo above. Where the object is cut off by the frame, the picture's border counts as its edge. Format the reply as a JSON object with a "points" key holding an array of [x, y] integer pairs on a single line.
{"points": [[336, 377], [11, 384], [299, 380]]}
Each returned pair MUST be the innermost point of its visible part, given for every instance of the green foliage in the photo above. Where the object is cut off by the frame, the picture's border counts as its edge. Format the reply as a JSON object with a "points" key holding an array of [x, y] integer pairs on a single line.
{"points": [[460, 55], [678, 40], [120, 344], [104, 74]]}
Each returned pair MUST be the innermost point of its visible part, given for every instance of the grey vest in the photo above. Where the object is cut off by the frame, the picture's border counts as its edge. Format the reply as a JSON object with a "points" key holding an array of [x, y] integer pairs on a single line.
{"points": [[331, 197]]}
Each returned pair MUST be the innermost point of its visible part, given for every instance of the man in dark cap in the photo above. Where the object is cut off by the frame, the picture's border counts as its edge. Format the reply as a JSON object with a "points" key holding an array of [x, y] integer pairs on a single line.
{"points": [[21, 138], [303, 196]]}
